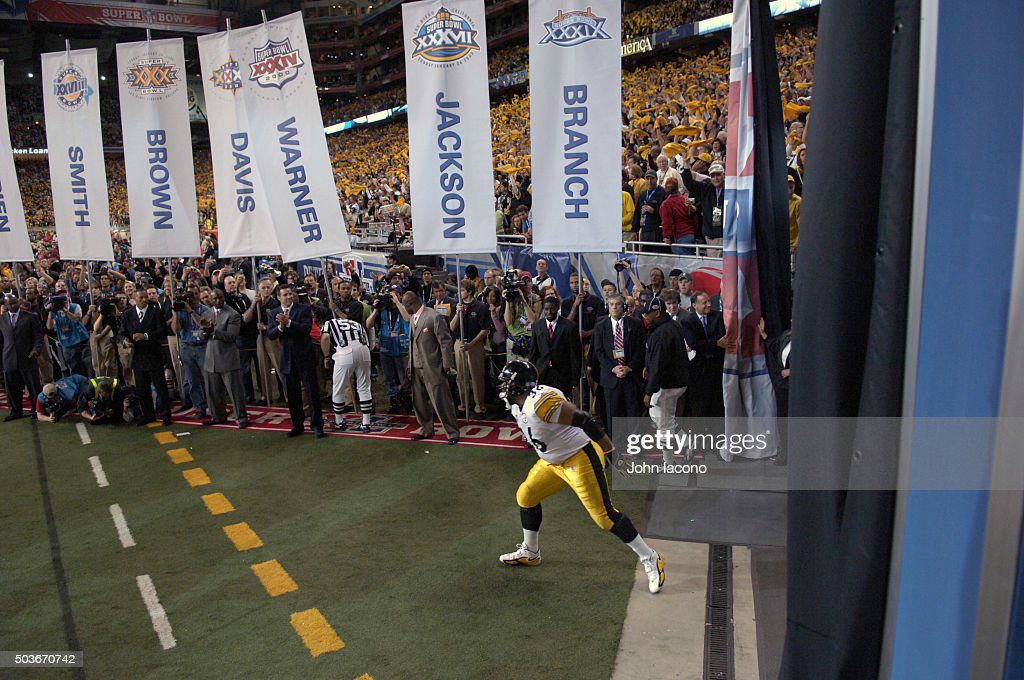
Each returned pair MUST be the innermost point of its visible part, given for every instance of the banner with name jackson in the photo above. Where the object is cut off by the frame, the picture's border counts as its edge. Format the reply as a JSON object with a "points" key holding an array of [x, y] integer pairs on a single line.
{"points": [[71, 103], [14, 241], [450, 163], [575, 125], [277, 97], [245, 225], [157, 148]]}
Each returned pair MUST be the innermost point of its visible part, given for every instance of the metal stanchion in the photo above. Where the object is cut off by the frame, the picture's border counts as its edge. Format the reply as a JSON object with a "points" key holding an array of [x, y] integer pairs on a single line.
{"points": [[462, 340]]}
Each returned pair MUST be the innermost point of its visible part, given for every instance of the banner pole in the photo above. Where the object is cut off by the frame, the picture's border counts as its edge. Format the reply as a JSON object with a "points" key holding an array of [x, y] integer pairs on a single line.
{"points": [[579, 318], [327, 284], [462, 338], [259, 335]]}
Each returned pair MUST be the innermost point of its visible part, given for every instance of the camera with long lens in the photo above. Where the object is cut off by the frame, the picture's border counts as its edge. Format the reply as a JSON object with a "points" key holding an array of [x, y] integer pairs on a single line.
{"points": [[302, 294], [108, 308], [620, 265], [511, 285], [382, 298], [58, 302]]}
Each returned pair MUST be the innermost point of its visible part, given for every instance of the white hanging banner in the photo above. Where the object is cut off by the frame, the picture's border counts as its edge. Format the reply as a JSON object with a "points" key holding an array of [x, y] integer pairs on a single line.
{"points": [[71, 103], [245, 226], [14, 242], [157, 149], [450, 163], [277, 98], [576, 125]]}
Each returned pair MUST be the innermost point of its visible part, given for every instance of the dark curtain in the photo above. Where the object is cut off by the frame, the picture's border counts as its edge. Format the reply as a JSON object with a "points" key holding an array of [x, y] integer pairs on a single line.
{"points": [[849, 334]]}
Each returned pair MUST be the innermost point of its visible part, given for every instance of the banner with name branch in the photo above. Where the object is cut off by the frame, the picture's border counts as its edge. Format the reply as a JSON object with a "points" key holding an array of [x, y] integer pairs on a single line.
{"points": [[245, 224], [15, 245], [576, 124], [277, 97], [157, 149], [78, 178], [450, 161]]}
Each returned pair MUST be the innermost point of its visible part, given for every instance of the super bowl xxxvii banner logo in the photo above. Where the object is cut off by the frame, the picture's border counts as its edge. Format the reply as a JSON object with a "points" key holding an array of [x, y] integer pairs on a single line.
{"points": [[444, 38], [275, 64], [569, 29]]}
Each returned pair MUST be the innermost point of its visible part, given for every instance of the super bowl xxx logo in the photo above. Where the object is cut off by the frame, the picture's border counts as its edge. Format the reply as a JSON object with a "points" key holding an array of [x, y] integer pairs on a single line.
{"points": [[444, 38], [227, 76], [275, 64], [569, 29], [152, 75], [71, 88]]}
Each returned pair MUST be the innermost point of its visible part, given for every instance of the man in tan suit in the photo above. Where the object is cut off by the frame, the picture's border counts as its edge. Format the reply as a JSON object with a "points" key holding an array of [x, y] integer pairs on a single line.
{"points": [[431, 358]]}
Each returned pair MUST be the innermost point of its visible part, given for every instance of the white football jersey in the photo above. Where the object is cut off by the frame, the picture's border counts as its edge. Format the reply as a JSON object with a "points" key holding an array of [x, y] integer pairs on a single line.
{"points": [[538, 419]]}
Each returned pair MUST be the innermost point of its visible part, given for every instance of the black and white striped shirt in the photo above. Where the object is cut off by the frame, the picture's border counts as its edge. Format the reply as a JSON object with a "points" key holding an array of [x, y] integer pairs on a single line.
{"points": [[344, 332]]}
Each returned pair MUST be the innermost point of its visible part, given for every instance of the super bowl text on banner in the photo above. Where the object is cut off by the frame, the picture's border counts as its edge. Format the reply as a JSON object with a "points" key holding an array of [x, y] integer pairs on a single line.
{"points": [[14, 242], [450, 162], [575, 125], [279, 99], [245, 226], [157, 148], [71, 102]]}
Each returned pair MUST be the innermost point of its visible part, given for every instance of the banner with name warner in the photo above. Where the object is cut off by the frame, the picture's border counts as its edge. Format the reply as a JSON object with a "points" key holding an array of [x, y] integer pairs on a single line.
{"points": [[158, 148], [575, 125], [450, 163], [14, 242], [288, 145], [71, 103]]}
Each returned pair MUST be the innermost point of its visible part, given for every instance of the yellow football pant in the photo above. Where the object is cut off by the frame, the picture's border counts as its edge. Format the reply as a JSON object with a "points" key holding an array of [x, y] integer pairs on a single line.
{"points": [[583, 472]]}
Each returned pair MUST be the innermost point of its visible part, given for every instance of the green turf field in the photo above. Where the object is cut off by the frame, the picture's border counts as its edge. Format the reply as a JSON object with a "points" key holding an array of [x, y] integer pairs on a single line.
{"points": [[395, 543]]}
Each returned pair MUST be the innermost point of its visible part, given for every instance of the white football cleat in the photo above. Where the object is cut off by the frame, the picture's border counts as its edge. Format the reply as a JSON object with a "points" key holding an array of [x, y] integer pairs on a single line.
{"points": [[655, 568], [522, 555]]}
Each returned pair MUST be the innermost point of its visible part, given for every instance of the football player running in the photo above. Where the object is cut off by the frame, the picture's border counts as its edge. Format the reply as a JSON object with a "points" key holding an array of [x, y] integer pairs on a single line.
{"points": [[572, 449]]}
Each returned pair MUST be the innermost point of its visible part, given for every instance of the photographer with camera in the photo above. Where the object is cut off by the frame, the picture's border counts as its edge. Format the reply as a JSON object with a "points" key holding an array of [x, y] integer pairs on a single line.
{"points": [[470, 325], [186, 325], [58, 399], [260, 312], [392, 322], [522, 309], [104, 334], [104, 401], [65, 319]]}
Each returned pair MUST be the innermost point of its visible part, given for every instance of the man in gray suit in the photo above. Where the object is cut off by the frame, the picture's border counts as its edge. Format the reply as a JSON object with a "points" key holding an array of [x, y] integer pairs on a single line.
{"points": [[21, 341], [431, 359], [222, 366]]}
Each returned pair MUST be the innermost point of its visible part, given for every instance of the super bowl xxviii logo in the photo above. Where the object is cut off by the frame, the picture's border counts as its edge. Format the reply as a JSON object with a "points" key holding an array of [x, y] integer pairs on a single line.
{"points": [[71, 88], [152, 76], [569, 29], [275, 64], [444, 38]]}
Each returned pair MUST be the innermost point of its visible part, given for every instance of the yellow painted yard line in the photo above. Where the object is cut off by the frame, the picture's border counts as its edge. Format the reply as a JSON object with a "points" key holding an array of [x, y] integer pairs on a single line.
{"points": [[165, 437], [195, 476], [179, 456], [274, 578], [153, 424], [243, 536], [316, 633], [217, 503], [365, 676]]}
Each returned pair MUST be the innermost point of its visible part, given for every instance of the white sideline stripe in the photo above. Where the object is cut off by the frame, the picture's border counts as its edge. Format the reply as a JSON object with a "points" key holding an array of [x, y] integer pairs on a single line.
{"points": [[122, 527], [156, 612], [83, 433], [97, 471]]}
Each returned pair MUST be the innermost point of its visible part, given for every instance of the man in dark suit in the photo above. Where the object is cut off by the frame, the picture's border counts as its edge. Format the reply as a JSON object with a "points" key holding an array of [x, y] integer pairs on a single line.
{"points": [[618, 348], [291, 325], [222, 366], [21, 341], [144, 328], [556, 349], [704, 330]]}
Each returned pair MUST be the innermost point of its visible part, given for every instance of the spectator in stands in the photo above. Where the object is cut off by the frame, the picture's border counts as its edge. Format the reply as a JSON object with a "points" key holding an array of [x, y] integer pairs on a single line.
{"points": [[667, 172], [647, 217], [795, 203], [543, 278], [710, 197], [677, 220]]}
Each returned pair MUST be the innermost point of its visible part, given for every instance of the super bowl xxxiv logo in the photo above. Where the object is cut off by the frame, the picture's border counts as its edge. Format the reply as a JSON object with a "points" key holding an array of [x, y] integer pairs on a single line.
{"points": [[71, 88], [227, 76], [444, 38], [569, 29], [151, 75], [275, 64]]}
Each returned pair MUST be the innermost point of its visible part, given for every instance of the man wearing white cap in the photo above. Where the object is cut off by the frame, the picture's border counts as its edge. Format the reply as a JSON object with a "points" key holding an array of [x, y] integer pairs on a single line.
{"points": [[710, 195]]}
